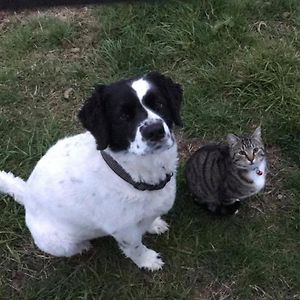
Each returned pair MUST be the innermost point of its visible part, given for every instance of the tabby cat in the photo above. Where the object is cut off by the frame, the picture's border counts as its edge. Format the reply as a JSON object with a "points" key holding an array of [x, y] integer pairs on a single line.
{"points": [[219, 175]]}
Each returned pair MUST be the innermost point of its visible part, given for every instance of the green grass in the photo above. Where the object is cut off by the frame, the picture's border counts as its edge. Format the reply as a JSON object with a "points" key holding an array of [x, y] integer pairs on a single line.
{"points": [[238, 62]]}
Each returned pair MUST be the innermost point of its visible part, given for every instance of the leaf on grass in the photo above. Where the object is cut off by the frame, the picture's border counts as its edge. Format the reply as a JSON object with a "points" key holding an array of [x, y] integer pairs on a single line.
{"points": [[67, 93]]}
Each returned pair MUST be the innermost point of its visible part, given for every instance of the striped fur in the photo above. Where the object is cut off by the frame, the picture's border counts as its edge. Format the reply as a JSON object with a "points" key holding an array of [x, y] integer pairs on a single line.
{"points": [[219, 175]]}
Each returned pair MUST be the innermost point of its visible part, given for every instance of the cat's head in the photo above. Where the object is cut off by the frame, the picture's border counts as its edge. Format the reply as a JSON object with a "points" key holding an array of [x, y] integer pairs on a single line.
{"points": [[246, 151]]}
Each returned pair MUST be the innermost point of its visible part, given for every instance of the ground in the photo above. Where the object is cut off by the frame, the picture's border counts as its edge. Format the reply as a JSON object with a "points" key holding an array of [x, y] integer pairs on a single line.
{"points": [[238, 62]]}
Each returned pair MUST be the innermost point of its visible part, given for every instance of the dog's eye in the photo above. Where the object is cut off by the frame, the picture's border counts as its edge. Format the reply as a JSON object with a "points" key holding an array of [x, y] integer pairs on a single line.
{"points": [[126, 113], [159, 106], [124, 117]]}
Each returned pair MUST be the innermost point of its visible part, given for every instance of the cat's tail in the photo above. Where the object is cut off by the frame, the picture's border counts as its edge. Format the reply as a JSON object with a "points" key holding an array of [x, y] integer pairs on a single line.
{"points": [[14, 186]]}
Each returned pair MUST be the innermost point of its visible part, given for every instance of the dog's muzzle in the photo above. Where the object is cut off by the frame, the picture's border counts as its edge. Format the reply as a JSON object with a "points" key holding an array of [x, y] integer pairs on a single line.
{"points": [[153, 132]]}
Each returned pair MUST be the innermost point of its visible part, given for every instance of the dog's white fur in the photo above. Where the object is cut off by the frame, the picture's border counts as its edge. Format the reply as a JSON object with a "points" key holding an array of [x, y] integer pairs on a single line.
{"points": [[72, 196]]}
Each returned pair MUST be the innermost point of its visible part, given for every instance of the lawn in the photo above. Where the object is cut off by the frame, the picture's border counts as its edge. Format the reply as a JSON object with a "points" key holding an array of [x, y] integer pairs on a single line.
{"points": [[239, 64]]}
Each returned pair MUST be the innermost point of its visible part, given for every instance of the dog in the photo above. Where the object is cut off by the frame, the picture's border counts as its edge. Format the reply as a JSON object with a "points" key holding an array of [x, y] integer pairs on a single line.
{"points": [[115, 179]]}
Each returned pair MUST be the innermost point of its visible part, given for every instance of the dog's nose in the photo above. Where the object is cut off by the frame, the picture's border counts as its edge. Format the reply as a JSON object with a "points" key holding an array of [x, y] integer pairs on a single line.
{"points": [[153, 132]]}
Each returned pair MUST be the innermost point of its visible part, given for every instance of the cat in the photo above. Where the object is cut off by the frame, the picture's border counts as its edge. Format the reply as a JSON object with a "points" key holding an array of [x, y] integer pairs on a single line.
{"points": [[220, 175]]}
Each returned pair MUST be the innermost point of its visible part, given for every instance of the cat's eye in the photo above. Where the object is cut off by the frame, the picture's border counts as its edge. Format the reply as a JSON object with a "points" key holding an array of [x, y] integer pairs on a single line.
{"points": [[242, 152], [255, 150]]}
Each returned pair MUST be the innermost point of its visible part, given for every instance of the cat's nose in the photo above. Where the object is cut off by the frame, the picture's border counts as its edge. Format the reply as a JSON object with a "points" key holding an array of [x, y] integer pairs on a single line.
{"points": [[250, 157], [251, 160]]}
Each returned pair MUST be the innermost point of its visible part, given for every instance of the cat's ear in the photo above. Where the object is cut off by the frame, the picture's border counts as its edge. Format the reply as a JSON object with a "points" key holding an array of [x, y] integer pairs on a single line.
{"points": [[257, 133], [232, 139]]}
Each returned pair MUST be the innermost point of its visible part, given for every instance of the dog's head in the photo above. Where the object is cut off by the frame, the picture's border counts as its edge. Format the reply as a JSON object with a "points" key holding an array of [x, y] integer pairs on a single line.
{"points": [[134, 115]]}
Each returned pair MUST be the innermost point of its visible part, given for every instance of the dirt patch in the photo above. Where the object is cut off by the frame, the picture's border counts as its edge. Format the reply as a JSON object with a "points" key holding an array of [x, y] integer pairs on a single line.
{"points": [[63, 13], [274, 29], [80, 16], [187, 146], [206, 287], [214, 291]]}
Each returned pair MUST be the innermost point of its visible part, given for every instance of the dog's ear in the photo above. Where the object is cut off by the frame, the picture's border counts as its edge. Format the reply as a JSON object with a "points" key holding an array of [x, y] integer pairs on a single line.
{"points": [[92, 117], [172, 92]]}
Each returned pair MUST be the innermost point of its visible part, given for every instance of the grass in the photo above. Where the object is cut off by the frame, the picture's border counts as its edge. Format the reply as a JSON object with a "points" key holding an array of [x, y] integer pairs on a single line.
{"points": [[238, 62]]}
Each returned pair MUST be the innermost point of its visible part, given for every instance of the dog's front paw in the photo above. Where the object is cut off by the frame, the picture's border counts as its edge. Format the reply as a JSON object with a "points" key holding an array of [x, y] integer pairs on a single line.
{"points": [[158, 226], [151, 261]]}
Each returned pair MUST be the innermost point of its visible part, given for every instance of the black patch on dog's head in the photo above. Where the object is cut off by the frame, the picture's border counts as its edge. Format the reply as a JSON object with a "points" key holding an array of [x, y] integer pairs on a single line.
{"points": [[112, 115], [168, 91], [93, 118]]}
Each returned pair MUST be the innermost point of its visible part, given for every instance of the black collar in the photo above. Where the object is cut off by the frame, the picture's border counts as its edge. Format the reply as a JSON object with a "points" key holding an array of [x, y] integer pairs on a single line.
{"points": [[141, 186]]}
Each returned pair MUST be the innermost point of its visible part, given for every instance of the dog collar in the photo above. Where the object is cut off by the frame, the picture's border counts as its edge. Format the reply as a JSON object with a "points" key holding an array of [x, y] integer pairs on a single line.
{"points": [[141, 186]]}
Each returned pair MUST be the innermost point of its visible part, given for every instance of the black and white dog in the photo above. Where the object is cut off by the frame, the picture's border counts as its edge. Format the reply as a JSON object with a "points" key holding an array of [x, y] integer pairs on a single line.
{"points": [[116, 179]]}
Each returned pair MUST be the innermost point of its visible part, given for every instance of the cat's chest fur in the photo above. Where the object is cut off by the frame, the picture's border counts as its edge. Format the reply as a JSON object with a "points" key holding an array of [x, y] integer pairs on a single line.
{"points": [[258, 180]]}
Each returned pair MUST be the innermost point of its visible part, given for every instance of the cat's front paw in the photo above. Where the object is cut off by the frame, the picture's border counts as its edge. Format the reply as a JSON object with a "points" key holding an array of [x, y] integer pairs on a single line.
{"points": [[158, 226], [231, 209]]}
